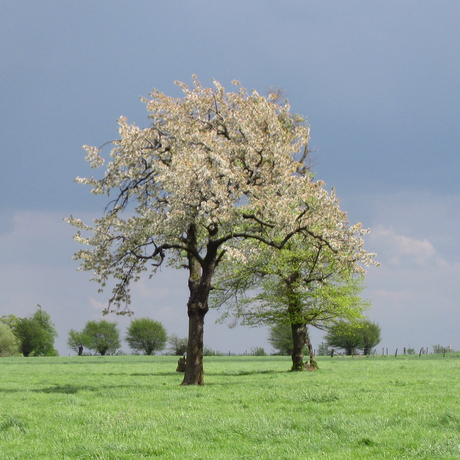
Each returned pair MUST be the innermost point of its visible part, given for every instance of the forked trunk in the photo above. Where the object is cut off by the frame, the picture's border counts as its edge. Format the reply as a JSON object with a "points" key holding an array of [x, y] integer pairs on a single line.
{"points": [[298, 341]]}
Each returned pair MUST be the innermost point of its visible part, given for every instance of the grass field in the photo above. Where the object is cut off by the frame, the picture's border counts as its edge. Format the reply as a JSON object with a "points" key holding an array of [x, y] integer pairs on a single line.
{"points": [[133, 407]]}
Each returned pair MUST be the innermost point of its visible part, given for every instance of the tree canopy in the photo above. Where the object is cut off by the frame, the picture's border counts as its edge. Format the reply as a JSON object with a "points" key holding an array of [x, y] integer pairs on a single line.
{"points": [[355, 335], [8, 342], [146, 335], [100, 336], [310, 281], [36, 334], [213, 169]]}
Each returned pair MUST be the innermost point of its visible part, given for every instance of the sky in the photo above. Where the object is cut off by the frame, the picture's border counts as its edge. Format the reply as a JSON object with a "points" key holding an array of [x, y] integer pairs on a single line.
{"points": [[377, 81]]}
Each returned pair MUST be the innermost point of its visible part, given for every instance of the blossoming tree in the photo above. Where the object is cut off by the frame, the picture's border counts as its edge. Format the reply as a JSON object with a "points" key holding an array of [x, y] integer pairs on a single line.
{"points": [[211, 170]]}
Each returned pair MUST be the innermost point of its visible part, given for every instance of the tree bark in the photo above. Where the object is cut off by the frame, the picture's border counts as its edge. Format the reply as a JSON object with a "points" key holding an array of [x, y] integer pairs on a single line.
{"points": [[313, 363], [199, 282], [299, 331], [194, 374]]}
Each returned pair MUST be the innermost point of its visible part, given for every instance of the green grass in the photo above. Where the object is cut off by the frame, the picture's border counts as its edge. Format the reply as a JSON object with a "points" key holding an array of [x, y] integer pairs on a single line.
{"points": [[133, 407]]}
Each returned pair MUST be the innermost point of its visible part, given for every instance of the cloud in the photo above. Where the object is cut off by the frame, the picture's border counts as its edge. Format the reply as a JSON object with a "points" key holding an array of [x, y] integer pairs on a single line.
{"points": [[395, 246]]}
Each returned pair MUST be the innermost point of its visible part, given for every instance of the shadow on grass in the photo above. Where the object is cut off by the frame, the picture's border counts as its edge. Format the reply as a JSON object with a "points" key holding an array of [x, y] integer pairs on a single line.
{"points": [[242, 373]]}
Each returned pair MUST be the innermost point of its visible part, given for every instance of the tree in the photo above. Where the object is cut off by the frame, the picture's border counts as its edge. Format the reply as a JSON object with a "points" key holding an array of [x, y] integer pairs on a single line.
{"points": [[280, 338], [178, 345], [8, 342], [370, 333], [310, 281], [76, 341], [147, 335], [353, 335], [101, 336], [10, 320], [344, 335], [212, 169], [36, 334]]}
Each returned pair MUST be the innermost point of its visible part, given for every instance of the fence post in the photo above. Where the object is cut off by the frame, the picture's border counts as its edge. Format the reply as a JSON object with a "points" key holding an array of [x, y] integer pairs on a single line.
{"points": [[396, 353]]}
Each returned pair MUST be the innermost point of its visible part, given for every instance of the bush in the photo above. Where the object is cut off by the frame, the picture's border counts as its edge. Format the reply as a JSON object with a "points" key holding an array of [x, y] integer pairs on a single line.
{"points": [[36, 334], [323, 350], [8, 343], [101, 336], [178, 345], [258, 351], [208, 351], [280, 338], [351, 336], [147, 335], [440, 349]]}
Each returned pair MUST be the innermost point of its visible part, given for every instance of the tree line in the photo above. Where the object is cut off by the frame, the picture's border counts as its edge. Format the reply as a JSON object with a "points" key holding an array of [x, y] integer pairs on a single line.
{"points": [[35, 335]]}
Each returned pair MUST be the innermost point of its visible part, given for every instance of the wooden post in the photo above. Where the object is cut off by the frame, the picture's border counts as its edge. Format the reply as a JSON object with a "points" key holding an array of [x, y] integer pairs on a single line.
{"points": [[420, 354], [332, 353], [396, 353]]}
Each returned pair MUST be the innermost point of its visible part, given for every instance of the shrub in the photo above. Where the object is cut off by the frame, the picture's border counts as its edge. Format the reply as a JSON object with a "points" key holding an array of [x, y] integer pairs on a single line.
{"points": [[258, 351], [178, 345], [8, 343], [323, 349], [146, 335]]}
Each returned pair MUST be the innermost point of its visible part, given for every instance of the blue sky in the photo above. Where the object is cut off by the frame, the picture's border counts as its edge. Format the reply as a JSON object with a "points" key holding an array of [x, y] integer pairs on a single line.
{"points": [[377, 81]]}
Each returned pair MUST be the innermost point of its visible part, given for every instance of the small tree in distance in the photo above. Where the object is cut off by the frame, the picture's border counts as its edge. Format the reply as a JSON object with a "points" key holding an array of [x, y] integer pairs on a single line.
{"points": [[76, 341], [178, 345], [280, 338], [147, 335], [370, 333], [353, 335], [36, 334], [8, 342], [101, 336]]}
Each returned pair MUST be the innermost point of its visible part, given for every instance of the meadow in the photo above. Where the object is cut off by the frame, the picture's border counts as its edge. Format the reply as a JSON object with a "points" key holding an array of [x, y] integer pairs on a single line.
{"points": [[133, 407]]}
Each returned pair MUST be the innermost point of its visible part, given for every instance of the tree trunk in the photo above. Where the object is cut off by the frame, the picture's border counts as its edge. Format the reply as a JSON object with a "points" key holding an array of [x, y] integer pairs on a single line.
{"points": [[199, 283], [313, 363], [298, 341], [194, 362]]}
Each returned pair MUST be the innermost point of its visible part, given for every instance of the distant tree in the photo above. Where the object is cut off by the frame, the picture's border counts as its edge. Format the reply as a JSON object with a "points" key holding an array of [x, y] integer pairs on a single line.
{"points": [[323, 349], [370, 333], [101, 336], [440, 349], [8, 342], [280, 338], [208, 351], [76, 341], [344, 335], [178, 345], [353, 335], [258, 351], [147, 335], [36, 334], [9, 320]]}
